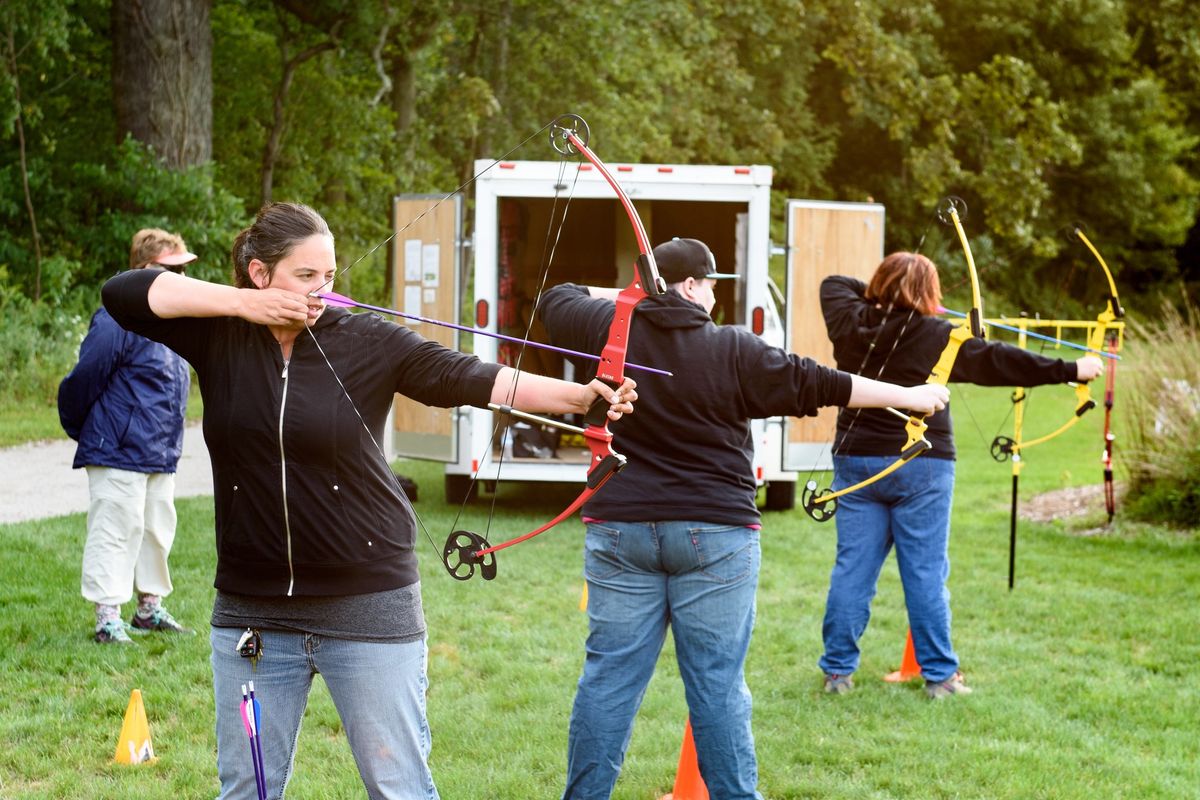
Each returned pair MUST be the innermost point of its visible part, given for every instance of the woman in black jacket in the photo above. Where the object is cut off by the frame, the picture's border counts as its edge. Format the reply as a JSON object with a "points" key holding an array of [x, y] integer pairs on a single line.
{"points": [[316, 570], [889, 330]]}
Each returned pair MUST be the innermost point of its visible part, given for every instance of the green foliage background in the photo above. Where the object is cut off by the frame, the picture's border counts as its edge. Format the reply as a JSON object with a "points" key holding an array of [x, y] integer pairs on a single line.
{"points": [[1040, 114]]}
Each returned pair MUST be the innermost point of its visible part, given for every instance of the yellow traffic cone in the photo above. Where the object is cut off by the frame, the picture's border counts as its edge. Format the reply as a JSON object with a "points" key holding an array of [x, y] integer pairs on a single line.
{"points": [[134, 745]]}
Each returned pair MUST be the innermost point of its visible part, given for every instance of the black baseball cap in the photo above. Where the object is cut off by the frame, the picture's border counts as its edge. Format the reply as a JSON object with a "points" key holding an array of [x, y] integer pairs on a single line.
{"points": [[680, 259]]}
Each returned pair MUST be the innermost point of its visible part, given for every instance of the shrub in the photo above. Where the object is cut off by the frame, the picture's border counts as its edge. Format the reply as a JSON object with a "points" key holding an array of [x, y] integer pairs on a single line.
{"points": [[39, 342], [1158, 394]]}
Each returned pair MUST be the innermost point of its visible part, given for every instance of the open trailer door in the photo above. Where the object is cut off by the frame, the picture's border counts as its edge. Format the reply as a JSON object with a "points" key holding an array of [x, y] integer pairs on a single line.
{"points": [[425, 262], [824, 238]]}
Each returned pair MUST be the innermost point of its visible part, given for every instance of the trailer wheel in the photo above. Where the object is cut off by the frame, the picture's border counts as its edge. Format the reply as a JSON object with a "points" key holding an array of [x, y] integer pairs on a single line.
{"points": [[781, 496], [460, 489]]}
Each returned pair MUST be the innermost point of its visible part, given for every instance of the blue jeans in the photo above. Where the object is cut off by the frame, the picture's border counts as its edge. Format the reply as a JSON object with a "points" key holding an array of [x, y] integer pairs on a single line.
{"points": [[911, 509], [699, 578], [379, 691]]}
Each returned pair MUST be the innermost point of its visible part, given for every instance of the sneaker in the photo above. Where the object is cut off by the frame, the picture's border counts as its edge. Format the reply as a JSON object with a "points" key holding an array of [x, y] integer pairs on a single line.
{"points": [[159, 620], [838, 684], [952, 685], [113, 632]]}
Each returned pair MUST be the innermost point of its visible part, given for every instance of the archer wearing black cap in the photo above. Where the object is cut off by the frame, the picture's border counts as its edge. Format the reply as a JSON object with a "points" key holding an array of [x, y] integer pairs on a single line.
{"points": [[680, 259], [688, 267], [673, 539]]}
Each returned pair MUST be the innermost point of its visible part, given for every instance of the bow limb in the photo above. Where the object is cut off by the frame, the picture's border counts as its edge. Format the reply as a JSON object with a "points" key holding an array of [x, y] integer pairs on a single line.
{"points": [[975, 315], [1083, 404], [1114, 310], [569, 136], [822, 505]]}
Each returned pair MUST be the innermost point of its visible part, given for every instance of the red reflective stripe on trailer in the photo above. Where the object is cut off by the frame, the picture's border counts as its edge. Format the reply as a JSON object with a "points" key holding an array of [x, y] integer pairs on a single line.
{"points": [[625, 169], [481, 314], [741, 170], [585, 167], [666, 169], [508, 165], [760, 473], [757, 324], [474, 467]]}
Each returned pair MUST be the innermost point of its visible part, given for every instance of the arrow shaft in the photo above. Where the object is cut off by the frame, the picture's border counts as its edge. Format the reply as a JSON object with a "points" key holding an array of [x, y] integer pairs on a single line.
{"points": [[334, 299]]}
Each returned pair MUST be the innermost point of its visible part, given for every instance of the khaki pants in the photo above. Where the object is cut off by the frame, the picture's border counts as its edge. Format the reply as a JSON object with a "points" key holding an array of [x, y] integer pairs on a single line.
{"points": [[130, 529]]}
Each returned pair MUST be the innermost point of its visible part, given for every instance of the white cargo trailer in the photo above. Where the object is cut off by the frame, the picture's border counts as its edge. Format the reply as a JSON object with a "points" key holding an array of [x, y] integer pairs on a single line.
{"points": [[516, 204]]}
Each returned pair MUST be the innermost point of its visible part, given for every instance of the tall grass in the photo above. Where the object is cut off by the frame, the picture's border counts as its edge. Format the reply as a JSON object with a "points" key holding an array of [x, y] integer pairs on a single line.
{"points": [[1159, 397]]}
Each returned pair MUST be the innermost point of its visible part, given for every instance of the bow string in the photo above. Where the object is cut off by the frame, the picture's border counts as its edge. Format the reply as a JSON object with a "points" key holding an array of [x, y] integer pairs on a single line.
{"points": [[465, 551]]}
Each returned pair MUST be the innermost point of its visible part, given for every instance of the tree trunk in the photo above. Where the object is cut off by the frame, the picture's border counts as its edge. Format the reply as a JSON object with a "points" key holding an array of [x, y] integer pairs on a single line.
{"points": [[162, 77]]}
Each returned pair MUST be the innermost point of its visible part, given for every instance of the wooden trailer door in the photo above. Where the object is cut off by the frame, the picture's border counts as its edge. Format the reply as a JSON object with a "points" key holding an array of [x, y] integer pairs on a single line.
{"points": [[824, 238], [425, 260]]}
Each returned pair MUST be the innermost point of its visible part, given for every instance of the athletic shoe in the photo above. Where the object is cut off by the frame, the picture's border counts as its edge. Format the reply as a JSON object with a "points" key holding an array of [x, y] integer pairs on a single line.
{"points": [[113, 632], [159, 620], [952, 685], [838, 684]]}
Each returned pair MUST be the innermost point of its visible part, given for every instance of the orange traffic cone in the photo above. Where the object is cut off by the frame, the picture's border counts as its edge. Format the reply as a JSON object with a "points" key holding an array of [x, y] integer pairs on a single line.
{"points": [[133, 747], [688, 783], [909, 668]]}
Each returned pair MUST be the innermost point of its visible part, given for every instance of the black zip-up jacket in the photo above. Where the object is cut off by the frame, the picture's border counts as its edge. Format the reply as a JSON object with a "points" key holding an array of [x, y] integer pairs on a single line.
{"points": [[854, 323], [305, 502], [688, 441]]}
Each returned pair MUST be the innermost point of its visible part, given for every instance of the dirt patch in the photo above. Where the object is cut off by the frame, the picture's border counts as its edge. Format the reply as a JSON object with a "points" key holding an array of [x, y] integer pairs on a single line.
{"points": [[1075, 503]]}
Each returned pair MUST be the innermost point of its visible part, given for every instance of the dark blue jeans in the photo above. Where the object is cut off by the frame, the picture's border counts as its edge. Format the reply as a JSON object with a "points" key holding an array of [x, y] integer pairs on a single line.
{"points": [[700, 579], [909, 509]]}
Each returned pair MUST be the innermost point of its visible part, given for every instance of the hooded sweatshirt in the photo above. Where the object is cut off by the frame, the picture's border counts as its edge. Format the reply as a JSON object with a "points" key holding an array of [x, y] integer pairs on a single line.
{"points": [[688, 442]]}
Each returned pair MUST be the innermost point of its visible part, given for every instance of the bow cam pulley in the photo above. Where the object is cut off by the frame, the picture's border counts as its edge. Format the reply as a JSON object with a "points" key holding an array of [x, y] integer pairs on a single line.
{"points": [[819, 511], [560, 130], [461, 556]]}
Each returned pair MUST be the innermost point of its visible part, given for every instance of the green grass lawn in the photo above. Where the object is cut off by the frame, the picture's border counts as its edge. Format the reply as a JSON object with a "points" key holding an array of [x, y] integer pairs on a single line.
{"points": [[1085, 675]]}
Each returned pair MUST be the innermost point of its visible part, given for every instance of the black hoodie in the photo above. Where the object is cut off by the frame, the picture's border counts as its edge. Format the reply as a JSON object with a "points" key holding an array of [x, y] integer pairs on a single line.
{"points": [[688, 441]]}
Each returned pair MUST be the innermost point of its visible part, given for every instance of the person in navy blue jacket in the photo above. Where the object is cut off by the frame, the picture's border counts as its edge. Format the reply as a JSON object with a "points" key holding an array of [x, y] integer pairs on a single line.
{"points": [[124, 403]]}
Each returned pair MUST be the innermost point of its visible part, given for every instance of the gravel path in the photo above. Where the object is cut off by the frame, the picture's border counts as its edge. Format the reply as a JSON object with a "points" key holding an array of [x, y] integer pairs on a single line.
{"points": [[36, 480]]}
